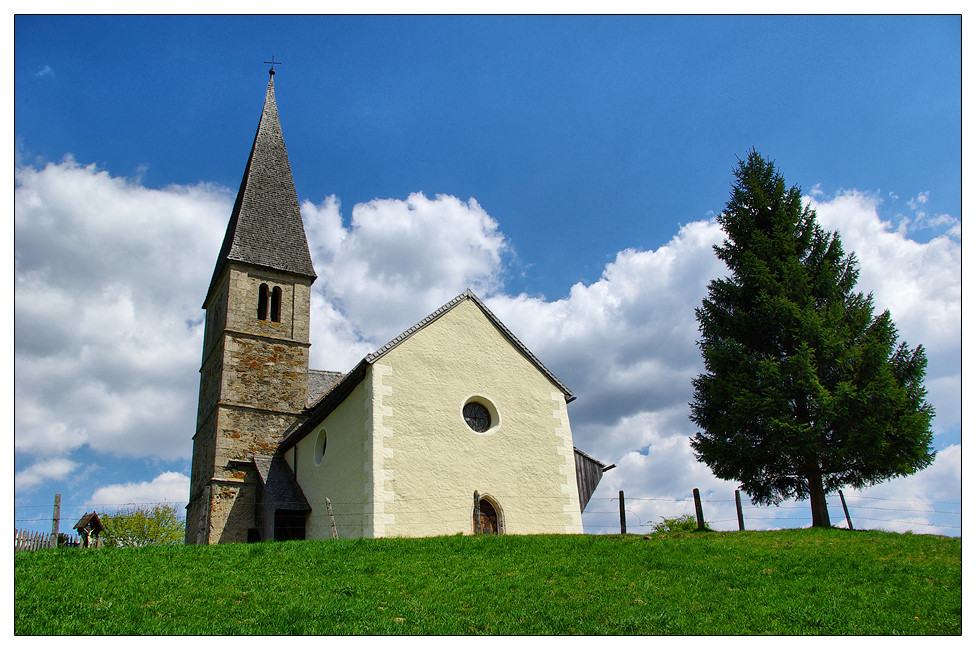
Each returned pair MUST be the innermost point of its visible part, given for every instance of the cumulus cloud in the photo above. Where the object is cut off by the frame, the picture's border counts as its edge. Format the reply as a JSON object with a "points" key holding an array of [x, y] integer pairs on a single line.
{"points": [[626, 345], [927, 502], [168, 487], [920, 283], [920, 220], [108, 280], [396, 262], [54, 469], [110, 275]]}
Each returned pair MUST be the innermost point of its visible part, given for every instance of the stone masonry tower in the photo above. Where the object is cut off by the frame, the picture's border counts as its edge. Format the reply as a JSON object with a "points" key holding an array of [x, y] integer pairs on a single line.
{"points": [[254, 373]]}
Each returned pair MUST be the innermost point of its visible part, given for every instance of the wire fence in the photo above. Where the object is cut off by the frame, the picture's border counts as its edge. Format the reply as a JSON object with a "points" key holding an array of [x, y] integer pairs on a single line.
{"points": [[35, 514], [863, 512], [640, 513]]}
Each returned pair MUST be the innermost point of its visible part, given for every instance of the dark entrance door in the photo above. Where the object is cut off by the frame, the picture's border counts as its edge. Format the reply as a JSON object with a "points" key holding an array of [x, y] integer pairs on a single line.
{"points": [[489, 518], [289, 524]]}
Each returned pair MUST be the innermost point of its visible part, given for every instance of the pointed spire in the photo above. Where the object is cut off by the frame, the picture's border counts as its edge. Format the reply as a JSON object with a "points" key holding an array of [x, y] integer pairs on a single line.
{"points": [[265, 227]]}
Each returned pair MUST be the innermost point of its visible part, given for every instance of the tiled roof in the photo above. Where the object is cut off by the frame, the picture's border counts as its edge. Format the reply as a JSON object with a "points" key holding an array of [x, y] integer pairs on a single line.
{"points": [[342, 388], [265, 227], [319, 383], [470, 295], [281, 490]]}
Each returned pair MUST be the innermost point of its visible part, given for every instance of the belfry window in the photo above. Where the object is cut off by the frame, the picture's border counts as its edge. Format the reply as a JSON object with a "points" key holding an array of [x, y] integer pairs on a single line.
{"points": [[263, 302], [276, 305]]}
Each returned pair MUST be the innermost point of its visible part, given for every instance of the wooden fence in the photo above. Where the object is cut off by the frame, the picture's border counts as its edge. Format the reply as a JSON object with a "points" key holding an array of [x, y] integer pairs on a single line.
{"points": [[29, 540]]}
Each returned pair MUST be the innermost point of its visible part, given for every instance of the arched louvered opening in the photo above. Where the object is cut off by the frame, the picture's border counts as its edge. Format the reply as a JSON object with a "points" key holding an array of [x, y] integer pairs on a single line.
{"points": [[276, 305], [263, 302]]}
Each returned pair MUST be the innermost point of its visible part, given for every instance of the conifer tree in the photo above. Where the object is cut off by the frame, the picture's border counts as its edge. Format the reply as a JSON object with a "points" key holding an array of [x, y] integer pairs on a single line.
{"points": [[805, 390]]}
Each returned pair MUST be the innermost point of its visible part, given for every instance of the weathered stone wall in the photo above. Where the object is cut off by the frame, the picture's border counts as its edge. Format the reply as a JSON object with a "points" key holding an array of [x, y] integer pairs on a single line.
{"points": [[193, 520], [242, 311], [253, 386], [264, 373], [202, 464], [232, 510], [216, 319], [202, 469], [243, 432], [210, 379]]}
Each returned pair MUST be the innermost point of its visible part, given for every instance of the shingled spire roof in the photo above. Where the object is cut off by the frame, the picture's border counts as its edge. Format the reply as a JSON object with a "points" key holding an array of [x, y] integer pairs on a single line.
{"points": [[265, 227]]}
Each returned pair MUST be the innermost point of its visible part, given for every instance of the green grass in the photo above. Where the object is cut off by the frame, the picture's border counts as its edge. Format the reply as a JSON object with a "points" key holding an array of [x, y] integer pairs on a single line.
{"points": [[782, 582]]}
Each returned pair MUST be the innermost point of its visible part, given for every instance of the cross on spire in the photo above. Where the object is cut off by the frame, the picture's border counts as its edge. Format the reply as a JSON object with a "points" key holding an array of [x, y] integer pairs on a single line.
{"points": [[273, 64]]}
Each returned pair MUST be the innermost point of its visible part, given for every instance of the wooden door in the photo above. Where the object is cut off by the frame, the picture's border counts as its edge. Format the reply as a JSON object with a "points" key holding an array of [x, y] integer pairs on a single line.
{"points": [[489, 518]]}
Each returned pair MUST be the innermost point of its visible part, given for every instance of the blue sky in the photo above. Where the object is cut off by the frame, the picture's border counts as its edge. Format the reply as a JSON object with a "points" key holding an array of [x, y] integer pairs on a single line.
{"points": [[554, 124], [591, 146]]}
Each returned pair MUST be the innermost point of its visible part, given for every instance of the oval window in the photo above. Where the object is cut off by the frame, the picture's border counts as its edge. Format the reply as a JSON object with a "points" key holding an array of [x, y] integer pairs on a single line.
{"points": [[321, 441], [477, 416]]}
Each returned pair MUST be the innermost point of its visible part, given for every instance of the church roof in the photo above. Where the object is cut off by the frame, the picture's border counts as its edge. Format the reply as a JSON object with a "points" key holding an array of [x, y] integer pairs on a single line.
{"points": [[281, 490], [470, 295], [265, 227], [319, 383], [342, 388]]}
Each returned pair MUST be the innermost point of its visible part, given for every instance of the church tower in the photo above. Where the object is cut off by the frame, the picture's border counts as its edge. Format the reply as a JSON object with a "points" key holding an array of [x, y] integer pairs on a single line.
{"points": [[254, 372]]}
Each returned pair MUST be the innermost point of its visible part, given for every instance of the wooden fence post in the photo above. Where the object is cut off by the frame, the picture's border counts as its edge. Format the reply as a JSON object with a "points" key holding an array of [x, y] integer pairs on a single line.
{"points": [[328, 505], [847, 514], [56, 521], [623, 515], [738, 511], [698, 510], [477, 513]]}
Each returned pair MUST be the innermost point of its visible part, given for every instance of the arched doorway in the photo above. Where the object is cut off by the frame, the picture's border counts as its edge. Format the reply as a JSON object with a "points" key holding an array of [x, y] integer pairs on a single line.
{"points": [[488, 514]]}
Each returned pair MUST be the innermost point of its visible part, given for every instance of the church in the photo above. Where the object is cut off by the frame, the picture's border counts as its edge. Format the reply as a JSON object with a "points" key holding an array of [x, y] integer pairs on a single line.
{"points": [[453, 427]]}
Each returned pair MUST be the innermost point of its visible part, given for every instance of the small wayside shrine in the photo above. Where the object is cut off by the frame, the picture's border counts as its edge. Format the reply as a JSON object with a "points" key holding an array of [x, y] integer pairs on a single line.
{"points": [[452, 427], [89, 527]]}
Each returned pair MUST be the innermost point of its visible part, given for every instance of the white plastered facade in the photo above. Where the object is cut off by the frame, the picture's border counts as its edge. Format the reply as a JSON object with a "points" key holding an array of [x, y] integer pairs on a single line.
{"points": [[400, 459]]}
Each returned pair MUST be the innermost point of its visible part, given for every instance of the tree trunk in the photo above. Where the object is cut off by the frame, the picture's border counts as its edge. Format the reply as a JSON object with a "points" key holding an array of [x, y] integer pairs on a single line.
{"points": [[818, 499]]}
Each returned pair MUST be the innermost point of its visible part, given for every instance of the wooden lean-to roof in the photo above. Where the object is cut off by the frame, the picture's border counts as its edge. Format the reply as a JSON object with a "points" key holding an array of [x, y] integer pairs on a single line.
{"points": [[90, 518]]}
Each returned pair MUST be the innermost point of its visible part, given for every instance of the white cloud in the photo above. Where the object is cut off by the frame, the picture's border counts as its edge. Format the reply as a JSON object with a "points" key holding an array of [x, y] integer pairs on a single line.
{"points": [[169, 487], [919, 221], [921, 199], [920, 283], [626, 345], [110, 275], [926, 502], [398, 261], [55, 469]]}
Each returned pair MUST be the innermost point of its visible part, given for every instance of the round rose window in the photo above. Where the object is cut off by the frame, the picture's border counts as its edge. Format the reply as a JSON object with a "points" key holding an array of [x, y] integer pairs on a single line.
{"points": [[477, 416]]}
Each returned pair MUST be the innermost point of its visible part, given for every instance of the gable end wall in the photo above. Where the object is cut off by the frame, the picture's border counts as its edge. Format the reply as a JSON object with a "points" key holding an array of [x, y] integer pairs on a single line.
{"points": [[526, 462]]}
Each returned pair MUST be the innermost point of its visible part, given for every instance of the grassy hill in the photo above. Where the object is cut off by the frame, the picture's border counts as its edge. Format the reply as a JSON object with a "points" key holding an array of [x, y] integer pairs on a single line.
{"points": [[782, 582]]}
